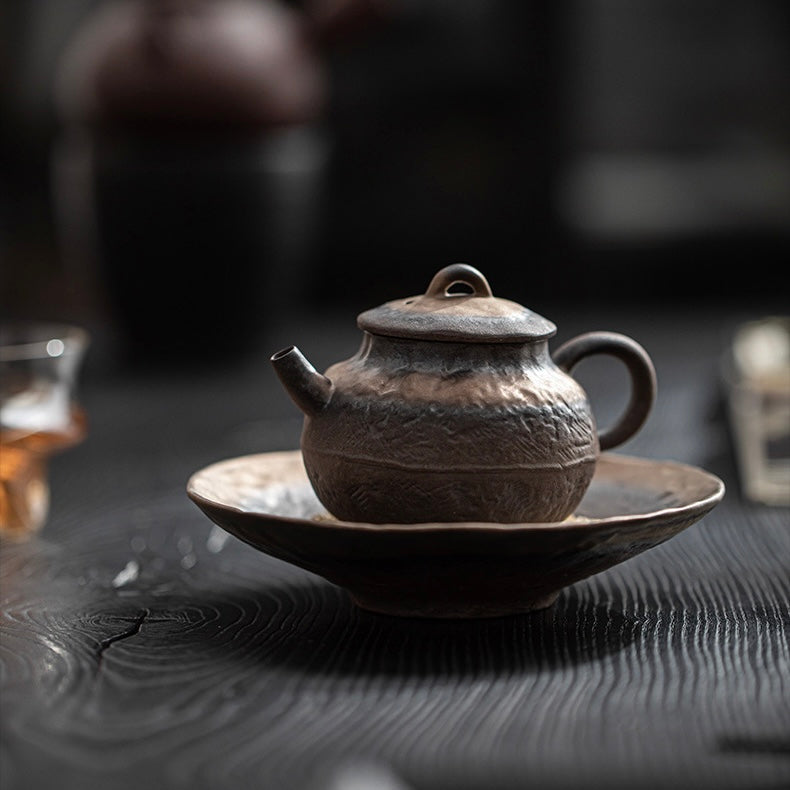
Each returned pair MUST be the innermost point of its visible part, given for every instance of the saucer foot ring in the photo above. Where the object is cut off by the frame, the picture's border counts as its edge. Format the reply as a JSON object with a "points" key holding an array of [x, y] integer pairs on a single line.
{"points": [[452, 610]]}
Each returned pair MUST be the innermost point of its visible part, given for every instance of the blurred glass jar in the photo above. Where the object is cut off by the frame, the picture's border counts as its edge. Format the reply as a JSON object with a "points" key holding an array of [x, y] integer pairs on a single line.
{"points": [[757, 375], [39, 416], [191, 163]]}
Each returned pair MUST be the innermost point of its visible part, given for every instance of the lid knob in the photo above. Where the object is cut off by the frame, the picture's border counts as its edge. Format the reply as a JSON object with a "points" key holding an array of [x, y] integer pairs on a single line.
{"points": [[458, 274]]}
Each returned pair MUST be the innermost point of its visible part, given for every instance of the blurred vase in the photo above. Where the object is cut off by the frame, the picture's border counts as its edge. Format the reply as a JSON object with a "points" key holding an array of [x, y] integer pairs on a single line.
{"points": [[191, 164]]}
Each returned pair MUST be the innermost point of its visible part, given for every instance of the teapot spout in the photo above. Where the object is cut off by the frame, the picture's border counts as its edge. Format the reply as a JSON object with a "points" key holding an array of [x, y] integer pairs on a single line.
{"points": [[308, 389]]}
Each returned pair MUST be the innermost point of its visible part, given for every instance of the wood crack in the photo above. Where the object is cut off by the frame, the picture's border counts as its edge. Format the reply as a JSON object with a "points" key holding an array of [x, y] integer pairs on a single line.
{"points": [[133, 630]]}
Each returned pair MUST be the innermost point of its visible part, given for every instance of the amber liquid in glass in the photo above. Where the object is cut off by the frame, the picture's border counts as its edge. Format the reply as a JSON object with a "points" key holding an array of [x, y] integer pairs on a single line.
{"points": [[24, 489]]}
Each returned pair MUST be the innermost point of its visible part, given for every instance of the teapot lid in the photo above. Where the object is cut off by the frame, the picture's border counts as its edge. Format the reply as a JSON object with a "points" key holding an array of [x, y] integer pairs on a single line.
{"points": [[472, 316]]}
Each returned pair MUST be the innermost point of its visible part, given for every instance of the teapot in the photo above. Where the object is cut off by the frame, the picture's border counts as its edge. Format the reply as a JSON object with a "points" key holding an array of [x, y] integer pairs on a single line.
{"points": [[453, 410]]}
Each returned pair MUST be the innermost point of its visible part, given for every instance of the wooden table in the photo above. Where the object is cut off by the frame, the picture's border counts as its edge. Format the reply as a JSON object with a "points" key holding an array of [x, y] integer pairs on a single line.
{"points": [[142, 648]]}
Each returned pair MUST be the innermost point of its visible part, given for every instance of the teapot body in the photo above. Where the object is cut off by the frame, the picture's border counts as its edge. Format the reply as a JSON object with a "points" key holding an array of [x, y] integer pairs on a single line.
{"points": [[418, 431], [453, 410]]}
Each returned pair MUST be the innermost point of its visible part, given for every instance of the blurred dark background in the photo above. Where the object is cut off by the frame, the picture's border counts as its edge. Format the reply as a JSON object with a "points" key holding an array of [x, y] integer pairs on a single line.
{"points": [[591, 152]]}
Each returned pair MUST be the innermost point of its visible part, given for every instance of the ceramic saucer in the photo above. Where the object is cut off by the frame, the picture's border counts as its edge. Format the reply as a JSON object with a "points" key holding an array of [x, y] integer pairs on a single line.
{"points": [[454, 569]]}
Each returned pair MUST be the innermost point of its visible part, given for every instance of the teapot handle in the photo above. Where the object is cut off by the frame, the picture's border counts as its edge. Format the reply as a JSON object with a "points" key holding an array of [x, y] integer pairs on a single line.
{"points": [[640, 368]]}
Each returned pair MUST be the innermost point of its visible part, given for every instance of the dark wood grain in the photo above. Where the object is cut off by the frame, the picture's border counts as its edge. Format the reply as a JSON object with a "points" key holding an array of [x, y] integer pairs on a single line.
{"points": [[140, 647]]}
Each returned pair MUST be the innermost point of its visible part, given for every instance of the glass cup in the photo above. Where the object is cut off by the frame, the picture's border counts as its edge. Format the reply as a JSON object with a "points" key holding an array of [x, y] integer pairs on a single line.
{"points": [[39, 365]]}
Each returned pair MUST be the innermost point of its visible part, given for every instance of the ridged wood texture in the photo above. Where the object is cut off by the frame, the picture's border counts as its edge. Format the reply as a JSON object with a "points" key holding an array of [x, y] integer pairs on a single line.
{"points": [[141, 648]]}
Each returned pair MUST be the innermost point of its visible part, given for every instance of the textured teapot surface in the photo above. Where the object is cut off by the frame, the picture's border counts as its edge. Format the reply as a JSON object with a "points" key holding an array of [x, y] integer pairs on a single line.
{"points": [[478, 427]]}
